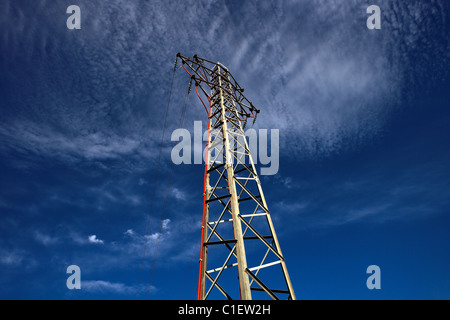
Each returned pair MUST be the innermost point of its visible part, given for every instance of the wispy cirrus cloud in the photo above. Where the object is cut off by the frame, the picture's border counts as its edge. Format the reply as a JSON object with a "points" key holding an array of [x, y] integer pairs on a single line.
{"points": [[314, 69], [11, 258], [38, 140], [45, 238], [101, 286], [332, 84], [376, 196], [14, 257]]}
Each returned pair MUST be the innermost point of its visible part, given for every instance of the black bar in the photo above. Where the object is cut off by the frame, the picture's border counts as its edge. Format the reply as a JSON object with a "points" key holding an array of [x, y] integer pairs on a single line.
{"points": [[273, 290], [219, 242], [216, 167], [218, 198], [255, 237], [261, 284], [249, 198]]}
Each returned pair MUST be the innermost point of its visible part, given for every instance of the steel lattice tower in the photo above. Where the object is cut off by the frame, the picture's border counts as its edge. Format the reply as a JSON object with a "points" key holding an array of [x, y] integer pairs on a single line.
{"points": [[237, 229]]}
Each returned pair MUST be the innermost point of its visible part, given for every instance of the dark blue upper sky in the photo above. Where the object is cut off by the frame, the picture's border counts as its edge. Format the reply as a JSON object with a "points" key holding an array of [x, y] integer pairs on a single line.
{"points": [[363, 116]]}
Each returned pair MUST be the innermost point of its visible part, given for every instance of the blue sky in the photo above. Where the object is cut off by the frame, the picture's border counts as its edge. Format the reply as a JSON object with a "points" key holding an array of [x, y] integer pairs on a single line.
{"points": [[364, 143]]}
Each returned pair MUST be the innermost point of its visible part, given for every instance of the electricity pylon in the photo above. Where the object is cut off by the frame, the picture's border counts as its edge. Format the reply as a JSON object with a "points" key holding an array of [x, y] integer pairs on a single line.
{"points": [[237, 229]]}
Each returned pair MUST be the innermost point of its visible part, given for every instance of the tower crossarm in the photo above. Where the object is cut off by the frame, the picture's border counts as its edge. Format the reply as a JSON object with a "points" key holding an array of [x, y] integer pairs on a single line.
{"points": [[202, 71]]}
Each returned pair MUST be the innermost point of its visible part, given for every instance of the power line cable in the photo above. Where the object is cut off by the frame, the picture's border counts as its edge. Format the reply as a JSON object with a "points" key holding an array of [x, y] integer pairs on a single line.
{"points": [[156, 177], [161, 224]]}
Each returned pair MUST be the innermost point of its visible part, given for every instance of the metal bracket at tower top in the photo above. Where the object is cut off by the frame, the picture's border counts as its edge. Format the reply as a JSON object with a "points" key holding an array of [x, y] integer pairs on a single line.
{"points": [[199, 68], [239, 244]]}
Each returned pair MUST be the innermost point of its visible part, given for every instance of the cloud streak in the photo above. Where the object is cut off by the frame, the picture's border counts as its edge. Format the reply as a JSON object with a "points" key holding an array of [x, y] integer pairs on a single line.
{"points": [[100, 286], [318, 75]]}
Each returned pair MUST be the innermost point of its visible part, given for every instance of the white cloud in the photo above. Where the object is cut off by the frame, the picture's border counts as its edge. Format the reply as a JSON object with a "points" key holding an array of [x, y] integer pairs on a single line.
{"points": [[178, 194], [93, 239], [290, 207], [165, 224], [11, 258], [136, 244], [15, 257], [83, 240], [100, 286], [174, 241], [154, 239], [25, 136], [379, 210], [45, 239]]}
